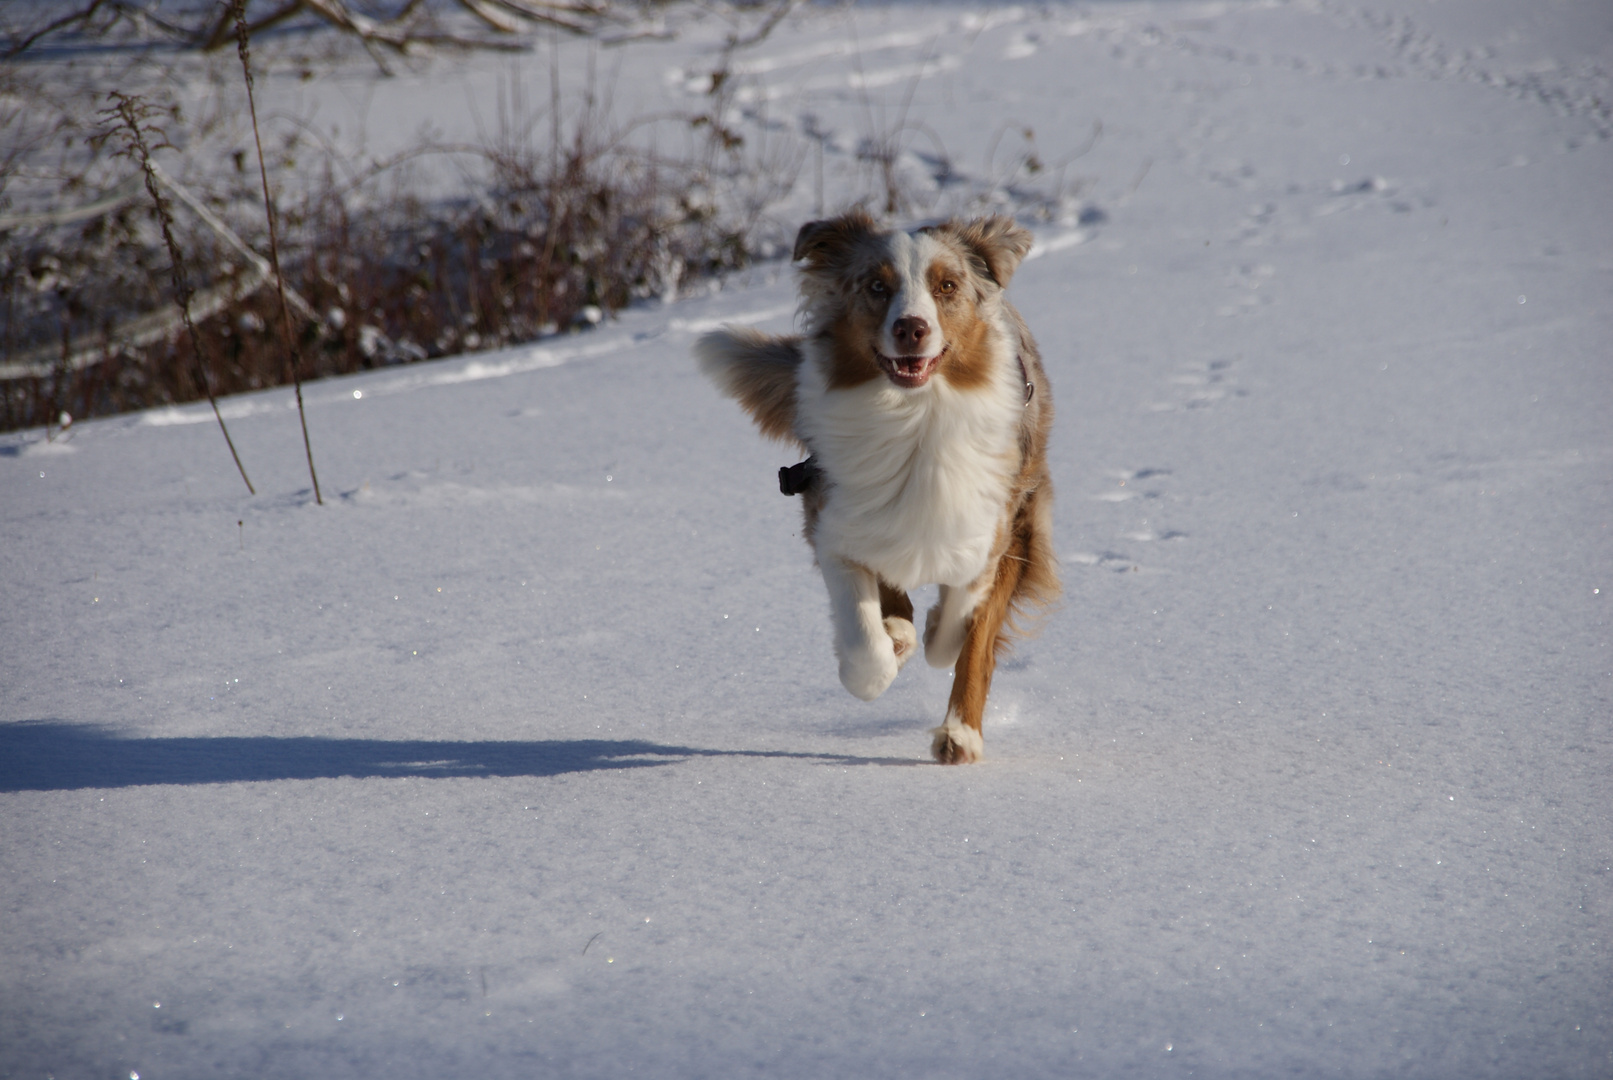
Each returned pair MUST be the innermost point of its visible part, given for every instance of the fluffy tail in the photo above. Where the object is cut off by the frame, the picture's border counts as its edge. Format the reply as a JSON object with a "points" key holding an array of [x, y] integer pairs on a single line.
{"points": [[758, 370]]}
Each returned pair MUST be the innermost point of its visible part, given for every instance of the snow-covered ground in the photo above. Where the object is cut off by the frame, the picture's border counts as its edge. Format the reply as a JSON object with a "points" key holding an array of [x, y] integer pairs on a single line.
{"points": [[525, 755]]}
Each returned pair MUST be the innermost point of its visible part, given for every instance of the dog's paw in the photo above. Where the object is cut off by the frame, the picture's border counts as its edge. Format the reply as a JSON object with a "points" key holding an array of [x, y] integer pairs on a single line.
{"points": [[956, 744], [866, 672], [904, 639], [941, 649]]}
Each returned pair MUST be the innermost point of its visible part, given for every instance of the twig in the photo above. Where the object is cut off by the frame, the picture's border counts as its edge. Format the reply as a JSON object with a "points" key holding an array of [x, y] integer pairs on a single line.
{"points": [[214, 32], [336, 13], [491, 16], [757, 36], [127, 113], [245, 51], [52, 27], [535, 11], [119, 9]]}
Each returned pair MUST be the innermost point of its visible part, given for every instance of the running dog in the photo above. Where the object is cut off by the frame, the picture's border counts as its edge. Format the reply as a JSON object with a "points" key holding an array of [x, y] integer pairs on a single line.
{"points": [[917, 391]]}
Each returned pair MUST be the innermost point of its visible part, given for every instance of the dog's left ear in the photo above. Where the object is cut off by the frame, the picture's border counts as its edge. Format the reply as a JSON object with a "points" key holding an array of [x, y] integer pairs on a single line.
{"points": [[998, 243]]}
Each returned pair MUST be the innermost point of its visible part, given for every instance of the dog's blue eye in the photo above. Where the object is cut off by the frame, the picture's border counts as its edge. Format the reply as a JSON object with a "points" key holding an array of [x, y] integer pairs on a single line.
{"points": [[876, 287]]}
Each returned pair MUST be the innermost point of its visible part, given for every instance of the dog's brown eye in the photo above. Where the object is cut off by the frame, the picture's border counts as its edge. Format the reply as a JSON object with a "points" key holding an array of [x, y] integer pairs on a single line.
{"points": [[949, 286]]}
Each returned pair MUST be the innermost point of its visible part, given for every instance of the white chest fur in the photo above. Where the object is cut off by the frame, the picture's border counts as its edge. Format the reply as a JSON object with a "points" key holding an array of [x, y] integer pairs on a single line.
{"points": [[919, 479]]}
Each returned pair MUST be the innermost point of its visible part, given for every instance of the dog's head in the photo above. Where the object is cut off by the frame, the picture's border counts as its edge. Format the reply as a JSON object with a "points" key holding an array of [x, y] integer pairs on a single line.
{"points": [[907, 305]]}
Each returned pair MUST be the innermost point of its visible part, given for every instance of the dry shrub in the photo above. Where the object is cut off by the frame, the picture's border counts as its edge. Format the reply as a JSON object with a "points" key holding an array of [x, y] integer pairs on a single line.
{"points": [[546, 235], [548, 241]]}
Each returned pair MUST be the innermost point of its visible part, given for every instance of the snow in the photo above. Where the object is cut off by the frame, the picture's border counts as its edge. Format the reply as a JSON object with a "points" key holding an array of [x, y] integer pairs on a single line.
{"points": [[526, 755]]}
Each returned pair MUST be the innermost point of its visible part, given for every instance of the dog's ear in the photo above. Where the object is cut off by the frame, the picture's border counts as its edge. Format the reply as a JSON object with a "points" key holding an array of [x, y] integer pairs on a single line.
{"points": [[998, 244], [824, 245]]}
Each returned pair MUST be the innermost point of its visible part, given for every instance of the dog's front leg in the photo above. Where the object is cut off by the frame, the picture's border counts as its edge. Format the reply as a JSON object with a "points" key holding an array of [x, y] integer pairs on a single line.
{"points": [[868, 660], [958, 740], [948, 622]]}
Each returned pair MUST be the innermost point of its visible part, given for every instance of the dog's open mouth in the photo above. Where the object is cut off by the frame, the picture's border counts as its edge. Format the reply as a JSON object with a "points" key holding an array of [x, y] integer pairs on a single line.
{"points": [[909, 371]]}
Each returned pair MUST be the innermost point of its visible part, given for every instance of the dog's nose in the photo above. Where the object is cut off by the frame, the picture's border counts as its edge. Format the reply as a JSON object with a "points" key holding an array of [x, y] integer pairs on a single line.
{"points": [[910, 332]]}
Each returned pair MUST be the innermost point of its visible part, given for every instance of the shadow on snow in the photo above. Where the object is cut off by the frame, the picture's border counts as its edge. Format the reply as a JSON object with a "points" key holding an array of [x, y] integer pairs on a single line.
{"points": [[47, 755]]}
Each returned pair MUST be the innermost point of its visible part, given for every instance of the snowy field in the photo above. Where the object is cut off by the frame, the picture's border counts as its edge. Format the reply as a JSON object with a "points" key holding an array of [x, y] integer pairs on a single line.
{"points": [[525, 756]]}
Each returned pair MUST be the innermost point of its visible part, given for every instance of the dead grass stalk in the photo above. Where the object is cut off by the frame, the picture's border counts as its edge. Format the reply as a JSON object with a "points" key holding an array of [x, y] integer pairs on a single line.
{"points": [[129, 116], [243, 48]]}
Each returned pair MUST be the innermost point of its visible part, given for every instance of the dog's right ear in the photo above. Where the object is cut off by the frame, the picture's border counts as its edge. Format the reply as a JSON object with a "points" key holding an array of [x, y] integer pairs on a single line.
{"points": [[824, 245]]}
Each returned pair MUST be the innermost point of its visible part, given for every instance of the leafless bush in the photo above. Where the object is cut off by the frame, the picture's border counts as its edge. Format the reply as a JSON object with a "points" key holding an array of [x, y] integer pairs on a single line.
{"points": [[394, 27], [562, 216], [552, 236]]}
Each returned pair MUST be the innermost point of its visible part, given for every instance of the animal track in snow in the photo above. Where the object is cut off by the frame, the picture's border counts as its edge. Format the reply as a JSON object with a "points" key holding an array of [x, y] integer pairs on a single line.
{"points": [[1199, 386], [1129, 484], [1584, 92], [1026, 44], [1343, 196], [1106, 560], [1127, 487], [1246, 281], [1268, 223]]}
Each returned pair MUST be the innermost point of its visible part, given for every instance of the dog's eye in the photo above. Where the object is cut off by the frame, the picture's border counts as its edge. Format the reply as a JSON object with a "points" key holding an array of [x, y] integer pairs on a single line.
{"points": [[948, 286], [877, 287]]}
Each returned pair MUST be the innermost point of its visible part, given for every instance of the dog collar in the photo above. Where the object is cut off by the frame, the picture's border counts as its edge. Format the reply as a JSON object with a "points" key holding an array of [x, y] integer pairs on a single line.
{"points": [[794, 479]]}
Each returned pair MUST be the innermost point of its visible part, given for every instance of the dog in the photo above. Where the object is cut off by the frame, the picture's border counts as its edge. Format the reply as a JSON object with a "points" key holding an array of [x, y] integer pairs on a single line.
{"points": [[919, 394]]}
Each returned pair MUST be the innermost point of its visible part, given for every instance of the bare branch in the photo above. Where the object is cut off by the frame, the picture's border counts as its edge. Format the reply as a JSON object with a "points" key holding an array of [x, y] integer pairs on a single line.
{"points": [[66, 20], [757, 36], [549, 14]]}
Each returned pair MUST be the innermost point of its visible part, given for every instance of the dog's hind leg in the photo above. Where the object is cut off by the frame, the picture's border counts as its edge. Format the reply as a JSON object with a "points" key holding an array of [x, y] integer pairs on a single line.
{"points": [[897, 609], [959, 740], [868, 660]]}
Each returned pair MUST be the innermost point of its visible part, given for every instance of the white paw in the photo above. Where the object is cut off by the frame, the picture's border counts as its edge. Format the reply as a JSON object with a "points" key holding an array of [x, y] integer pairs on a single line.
{"points": [[941, 649], [954, 743], [868, 670], [904, 639]]}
